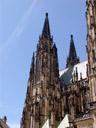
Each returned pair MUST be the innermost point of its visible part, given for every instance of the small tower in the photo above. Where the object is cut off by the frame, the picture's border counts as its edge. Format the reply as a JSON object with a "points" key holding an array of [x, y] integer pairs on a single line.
{"points": [[4, 119], [72, 58]]}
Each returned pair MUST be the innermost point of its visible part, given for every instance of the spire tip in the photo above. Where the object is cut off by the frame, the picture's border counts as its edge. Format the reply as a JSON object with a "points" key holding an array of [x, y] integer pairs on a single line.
{"points": [[46, 14], [71, 36]]}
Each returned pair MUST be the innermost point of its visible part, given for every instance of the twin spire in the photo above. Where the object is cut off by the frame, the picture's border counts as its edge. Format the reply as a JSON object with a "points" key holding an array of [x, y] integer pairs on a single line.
{"points": [[72, 58]]}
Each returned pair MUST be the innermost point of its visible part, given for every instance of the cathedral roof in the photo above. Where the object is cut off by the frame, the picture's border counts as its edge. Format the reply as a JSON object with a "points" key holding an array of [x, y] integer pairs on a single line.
{"points": [[67, 74]]}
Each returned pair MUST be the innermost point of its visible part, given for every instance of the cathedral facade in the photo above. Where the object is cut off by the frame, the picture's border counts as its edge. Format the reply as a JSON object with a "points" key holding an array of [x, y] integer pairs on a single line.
{"points": [[51, 94]]}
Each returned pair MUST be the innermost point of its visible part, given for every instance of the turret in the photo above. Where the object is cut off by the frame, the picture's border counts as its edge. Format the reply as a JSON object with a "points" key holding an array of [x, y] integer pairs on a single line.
{"points": [[4, 119]]}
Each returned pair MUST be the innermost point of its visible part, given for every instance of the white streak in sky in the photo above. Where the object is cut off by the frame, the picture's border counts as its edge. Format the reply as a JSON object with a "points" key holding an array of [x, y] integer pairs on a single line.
{"points": [[19, 28]]}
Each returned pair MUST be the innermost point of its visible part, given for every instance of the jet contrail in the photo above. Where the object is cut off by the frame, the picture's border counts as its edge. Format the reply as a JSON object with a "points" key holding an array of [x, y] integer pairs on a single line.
{"points": [[19, 28]]}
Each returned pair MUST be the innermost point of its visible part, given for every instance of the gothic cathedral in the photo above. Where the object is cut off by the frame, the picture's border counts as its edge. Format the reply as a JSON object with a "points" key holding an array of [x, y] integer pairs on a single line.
{"points": [[51, 94]]}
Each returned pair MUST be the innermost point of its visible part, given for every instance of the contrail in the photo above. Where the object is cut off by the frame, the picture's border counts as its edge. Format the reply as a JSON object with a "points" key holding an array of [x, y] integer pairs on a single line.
{"points": [[19, 28]]}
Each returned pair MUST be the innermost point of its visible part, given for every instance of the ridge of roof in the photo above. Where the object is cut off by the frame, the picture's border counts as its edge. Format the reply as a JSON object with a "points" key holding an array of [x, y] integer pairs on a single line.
{"points": [[73, 66]]}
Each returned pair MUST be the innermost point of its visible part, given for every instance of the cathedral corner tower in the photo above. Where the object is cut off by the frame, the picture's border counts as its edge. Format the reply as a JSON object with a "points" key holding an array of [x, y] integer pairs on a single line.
{"points": [[43, 92]]}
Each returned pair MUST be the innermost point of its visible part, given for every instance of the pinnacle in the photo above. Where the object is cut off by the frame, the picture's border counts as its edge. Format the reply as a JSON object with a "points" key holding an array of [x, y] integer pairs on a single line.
{"points": [[72, 58]]}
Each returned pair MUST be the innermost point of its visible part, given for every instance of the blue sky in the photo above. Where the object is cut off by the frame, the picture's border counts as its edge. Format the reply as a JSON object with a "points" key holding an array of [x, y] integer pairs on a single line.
{"points": [[20, 26]]}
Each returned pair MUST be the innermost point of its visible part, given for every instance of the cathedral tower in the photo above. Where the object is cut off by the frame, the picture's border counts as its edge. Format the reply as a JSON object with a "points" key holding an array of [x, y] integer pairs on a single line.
{"points": [[43, 92], [91, 46]]}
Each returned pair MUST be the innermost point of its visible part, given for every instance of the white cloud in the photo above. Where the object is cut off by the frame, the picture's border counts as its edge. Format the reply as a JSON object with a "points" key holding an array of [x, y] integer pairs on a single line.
{"points": [[14, 125], [19, 29]]}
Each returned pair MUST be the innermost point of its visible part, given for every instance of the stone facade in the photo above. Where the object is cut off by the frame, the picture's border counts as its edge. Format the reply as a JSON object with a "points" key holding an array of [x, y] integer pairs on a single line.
{"points": [[52, 94]]}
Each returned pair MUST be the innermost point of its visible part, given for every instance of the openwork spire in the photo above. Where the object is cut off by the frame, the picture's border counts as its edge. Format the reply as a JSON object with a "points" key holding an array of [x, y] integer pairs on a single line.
{"points": [[72, 58], [46, 28]]}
